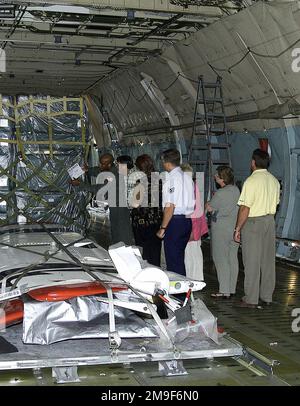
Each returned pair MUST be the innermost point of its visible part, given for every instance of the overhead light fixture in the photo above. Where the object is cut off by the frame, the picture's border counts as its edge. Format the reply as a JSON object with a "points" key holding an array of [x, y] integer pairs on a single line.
{"points": [[7, 11]]}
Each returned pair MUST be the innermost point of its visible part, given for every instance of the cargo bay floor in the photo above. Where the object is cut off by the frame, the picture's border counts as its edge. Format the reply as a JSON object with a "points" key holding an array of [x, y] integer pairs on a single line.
{"points": [[266, 330]]}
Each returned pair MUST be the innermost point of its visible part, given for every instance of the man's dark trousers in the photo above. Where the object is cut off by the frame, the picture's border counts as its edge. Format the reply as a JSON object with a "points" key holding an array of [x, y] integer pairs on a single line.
{"points": [[175, 241]]}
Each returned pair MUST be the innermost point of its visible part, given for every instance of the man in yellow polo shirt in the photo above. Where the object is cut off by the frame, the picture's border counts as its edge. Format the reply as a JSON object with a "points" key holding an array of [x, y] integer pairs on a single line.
{"points": [[256, 228]]}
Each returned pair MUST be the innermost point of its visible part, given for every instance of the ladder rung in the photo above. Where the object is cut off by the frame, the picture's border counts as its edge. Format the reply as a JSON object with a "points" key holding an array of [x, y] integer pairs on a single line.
{"points": [[211, 85], [199, 162], [214, 146], [197, 147], [210, 100], [205, 161], [220, 162], [211, 114], [216, 131], [202, 137], [219, 146]]}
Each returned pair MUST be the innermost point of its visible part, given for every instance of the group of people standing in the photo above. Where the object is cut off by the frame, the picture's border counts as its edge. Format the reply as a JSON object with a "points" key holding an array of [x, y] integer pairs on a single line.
{"points": [[170, 209], [158, 207], [246, 218]]}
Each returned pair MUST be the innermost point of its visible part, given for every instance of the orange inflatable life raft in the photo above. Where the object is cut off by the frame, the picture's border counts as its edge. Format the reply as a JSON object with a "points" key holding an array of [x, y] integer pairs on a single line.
{"points": [[63, 292], [14, 309]]}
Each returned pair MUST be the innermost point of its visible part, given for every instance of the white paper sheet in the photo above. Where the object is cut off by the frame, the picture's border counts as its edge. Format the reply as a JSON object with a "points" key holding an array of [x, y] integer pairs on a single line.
{"points": [[75, 171]]}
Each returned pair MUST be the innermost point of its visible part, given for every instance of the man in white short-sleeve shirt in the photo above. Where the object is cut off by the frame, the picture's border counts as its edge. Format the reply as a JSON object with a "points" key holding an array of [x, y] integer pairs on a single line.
{"points": [[178, 204]]}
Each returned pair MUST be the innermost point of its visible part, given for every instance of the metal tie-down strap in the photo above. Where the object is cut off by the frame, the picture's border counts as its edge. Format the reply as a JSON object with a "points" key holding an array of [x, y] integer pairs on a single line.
{"points": [[24, 271], [114, 338]]}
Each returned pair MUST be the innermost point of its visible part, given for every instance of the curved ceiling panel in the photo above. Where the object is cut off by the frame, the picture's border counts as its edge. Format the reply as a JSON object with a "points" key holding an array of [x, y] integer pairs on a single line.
{"points": [[239, 48]]}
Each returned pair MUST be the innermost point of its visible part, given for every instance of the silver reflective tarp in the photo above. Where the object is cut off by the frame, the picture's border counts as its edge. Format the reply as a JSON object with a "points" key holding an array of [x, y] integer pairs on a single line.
{"points": [[30, 237], [81, 317]]}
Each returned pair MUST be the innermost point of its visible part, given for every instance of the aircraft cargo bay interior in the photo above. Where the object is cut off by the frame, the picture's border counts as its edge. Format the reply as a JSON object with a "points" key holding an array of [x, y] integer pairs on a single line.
{"points": [[149, 195]]}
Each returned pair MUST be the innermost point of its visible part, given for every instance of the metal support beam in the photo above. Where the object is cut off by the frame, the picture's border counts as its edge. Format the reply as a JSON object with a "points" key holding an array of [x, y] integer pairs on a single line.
{"points": [[69, 40], [62, 10], [161, 6], [156, 30]]}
